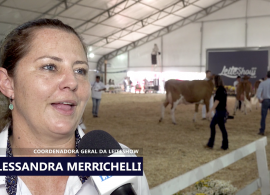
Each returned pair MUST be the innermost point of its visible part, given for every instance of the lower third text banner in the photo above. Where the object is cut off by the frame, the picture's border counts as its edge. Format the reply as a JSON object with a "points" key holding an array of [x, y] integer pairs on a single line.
{"points": [[94, 166]]}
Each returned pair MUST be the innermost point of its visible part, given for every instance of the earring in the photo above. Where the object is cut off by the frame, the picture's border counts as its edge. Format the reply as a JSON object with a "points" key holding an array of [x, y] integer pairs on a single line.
{"points": [[11, 105]]}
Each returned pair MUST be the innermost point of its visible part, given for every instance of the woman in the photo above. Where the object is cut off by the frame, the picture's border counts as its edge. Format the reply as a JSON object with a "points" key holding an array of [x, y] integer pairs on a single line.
{"points": [[44, 77], [220, 105]]}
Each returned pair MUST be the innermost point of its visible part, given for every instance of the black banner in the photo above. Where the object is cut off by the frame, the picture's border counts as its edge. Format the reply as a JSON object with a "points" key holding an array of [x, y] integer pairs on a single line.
{"points": [[230, 64]]}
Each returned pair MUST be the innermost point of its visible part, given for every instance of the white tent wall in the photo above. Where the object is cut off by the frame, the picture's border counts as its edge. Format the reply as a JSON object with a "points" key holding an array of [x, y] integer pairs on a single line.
{"points": [[140, 63], [94, 59], [223, 34], [116, 68], [140, 57], [92, 71], [181, 49], [117, 77], [258, 32]]}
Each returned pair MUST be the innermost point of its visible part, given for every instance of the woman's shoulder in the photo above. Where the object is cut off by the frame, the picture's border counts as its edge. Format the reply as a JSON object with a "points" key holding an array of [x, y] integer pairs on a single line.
{"points": [[221, 90]]}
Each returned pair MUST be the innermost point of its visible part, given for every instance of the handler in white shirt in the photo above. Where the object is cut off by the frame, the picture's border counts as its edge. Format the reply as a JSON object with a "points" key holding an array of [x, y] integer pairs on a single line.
{"points": [[211, 101], [97, 88]]}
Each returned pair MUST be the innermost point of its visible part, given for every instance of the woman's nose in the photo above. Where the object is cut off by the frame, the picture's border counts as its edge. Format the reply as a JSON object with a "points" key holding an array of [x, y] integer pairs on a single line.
{"points": [[69, 80]]}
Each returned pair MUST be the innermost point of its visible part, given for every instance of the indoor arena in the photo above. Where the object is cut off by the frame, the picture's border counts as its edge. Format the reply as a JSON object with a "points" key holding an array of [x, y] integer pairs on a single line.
{"points": [[184, 82]]}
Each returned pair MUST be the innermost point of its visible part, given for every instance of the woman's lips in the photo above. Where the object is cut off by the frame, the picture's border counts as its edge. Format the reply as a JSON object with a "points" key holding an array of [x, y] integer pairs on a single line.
{"points": [[63, 108]]}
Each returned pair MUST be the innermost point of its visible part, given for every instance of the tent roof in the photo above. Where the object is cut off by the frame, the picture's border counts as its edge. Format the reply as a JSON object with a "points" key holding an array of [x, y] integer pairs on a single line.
{"points": [[105, 25]]}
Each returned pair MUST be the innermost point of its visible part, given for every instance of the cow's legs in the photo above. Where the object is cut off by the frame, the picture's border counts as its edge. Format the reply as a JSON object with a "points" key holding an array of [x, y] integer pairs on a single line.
{"points": [[172, 111], [258, 104], [245, 107], [164, 105], [248, 105], [174, 105], [236, 106], [207, 108], [196, 112]]}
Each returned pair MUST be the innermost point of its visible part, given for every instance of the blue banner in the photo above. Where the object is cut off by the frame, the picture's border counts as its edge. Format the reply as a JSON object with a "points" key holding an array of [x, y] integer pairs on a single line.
{"points": [[86, 166]]}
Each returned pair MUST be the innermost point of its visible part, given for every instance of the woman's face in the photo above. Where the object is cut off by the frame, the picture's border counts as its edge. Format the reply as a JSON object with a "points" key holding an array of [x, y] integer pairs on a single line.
{"points": [[51, 85]]}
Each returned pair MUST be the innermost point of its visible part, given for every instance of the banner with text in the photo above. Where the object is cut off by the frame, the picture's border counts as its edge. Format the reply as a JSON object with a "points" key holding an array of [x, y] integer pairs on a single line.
{"points": [[230, 64]]}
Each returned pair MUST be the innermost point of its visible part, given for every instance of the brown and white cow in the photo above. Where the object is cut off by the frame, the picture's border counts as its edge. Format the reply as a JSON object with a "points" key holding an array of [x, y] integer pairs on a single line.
{"points": [[244, 90], [187, 92]]}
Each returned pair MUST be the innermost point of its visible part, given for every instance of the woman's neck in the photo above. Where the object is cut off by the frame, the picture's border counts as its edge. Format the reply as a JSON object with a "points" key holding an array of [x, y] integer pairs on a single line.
{"points": [[24, 141]]}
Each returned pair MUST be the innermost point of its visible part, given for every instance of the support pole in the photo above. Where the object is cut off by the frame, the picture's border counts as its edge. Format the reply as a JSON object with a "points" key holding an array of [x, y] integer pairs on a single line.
{"points": [[246, 24], [105, 72]]}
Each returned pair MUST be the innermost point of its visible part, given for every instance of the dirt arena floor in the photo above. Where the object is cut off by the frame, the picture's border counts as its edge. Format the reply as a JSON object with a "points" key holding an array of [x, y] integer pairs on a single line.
{"points": [[171, 150]]}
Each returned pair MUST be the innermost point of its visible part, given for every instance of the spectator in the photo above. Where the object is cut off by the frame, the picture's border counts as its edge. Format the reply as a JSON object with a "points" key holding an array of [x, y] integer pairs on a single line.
{"points": [[263, 94], [130, 85], [125, 85], [97, 88]]}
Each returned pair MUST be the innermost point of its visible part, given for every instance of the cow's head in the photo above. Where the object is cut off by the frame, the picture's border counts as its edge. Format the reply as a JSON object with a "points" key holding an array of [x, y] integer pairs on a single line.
{"points": [[212, 79], [246, 77]]}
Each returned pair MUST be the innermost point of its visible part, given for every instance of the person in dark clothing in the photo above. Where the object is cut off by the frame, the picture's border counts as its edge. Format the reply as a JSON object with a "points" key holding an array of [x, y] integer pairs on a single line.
{"points": [[220, 105]]}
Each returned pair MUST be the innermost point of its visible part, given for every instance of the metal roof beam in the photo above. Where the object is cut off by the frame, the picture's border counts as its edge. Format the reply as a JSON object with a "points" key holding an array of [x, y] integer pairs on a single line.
{"points": [[142, 23], [66, 5], [119, 7], [3, 2], [56, 7], [209, 10]]}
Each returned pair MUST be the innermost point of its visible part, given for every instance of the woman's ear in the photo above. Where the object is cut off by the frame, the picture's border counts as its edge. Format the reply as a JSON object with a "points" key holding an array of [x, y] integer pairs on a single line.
{"points": [[6, 84]]}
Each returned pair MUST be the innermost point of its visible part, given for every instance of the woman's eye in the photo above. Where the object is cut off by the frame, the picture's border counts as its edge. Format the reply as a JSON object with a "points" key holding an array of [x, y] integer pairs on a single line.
{"points": [[81, 71], [50, 67]]}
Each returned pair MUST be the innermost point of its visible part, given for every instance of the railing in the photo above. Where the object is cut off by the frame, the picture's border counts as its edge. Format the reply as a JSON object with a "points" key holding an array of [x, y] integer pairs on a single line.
{"points": [[181, 182]]}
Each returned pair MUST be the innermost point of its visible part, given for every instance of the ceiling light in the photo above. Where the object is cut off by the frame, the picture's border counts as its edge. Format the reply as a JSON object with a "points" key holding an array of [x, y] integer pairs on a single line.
{"points": [[91, 55]]}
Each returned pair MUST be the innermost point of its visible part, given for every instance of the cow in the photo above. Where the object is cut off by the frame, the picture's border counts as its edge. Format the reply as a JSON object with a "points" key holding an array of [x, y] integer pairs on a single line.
{"points": [[244, 90], [256, 86], [187, 92]]}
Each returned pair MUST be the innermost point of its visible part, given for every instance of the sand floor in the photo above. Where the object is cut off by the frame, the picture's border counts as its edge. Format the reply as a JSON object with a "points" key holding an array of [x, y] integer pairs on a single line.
{"points": [[171, 150]]}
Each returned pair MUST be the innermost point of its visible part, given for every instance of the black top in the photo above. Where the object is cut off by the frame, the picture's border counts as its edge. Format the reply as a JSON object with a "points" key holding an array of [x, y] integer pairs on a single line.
{"points": [[221, 96]]}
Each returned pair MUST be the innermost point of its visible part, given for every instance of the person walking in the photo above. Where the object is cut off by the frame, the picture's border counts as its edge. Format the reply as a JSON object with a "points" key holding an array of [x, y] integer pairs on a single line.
{"points": [[208, 76], [220, 105], [125, 85], [97, 88], [263, 94]]}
